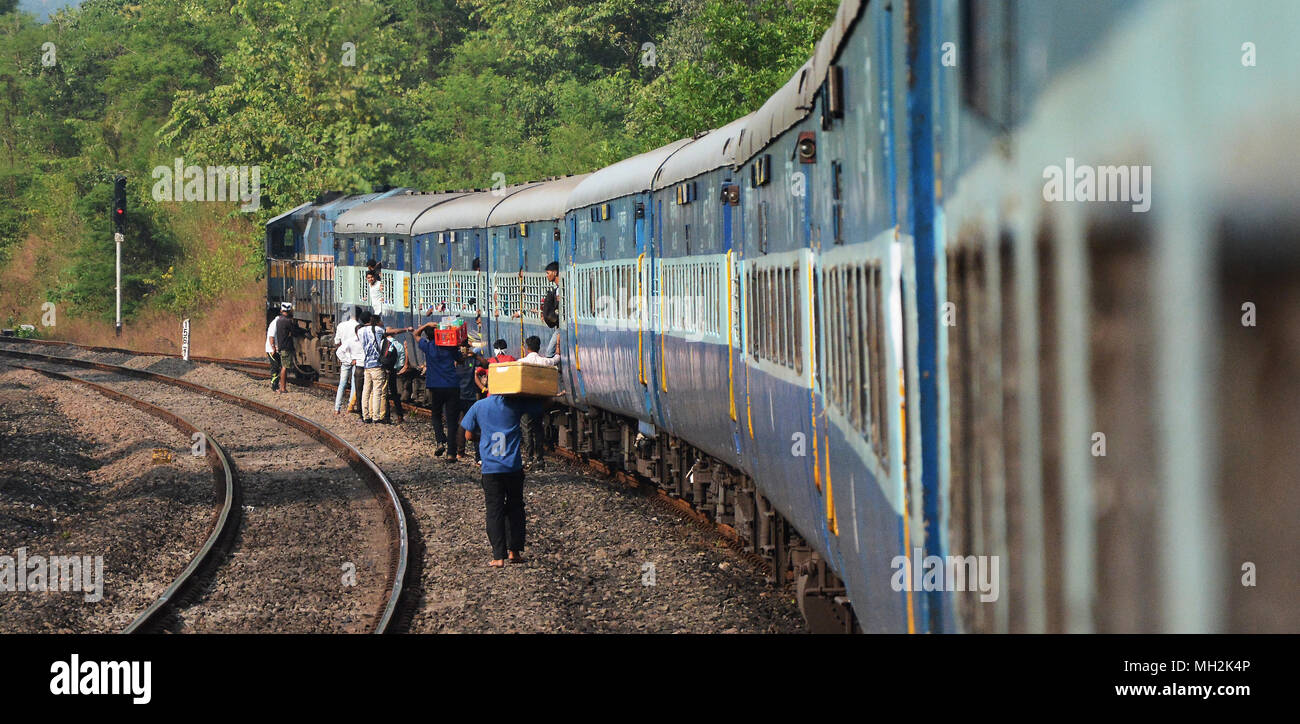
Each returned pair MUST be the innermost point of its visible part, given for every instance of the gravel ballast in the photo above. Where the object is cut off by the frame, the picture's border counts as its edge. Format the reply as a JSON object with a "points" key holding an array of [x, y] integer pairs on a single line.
{"points": [[77, 478], [600, 557]]}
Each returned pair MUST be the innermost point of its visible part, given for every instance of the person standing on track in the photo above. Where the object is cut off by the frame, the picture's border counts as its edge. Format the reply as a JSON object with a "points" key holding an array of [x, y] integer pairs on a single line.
{"points": [[279, 347], [392, 357], [347, 329], [497, 421], [344, 333], [469, 392], [359, 364], [444, 390], [271, 356], [375, 390]]}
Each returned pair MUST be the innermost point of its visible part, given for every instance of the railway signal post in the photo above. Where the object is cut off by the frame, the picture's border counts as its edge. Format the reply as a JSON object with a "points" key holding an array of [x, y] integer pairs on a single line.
{"points": [[119, 226]]}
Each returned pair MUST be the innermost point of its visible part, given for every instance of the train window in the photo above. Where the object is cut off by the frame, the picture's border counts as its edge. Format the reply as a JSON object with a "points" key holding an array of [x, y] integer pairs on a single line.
{"points": [[772, 307], [796, 335], [876, 344], [783, 294], [751, 316], [761, 172], [695, 290], [1257, 455], [775, 296], [987, 55], [856, 329], [832, 93]]}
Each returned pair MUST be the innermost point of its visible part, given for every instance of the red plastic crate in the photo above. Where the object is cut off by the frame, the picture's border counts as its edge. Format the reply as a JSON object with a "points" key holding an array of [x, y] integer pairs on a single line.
{"points": [[451, 337]]}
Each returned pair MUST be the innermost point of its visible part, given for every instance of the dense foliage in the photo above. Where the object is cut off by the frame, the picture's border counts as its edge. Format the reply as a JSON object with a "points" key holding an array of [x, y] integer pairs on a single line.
{"points": [[426, 93]]}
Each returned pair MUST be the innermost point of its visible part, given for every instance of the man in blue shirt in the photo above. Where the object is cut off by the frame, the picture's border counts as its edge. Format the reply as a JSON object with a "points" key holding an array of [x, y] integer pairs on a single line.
{"points": [[496, 419], [444, 389]]}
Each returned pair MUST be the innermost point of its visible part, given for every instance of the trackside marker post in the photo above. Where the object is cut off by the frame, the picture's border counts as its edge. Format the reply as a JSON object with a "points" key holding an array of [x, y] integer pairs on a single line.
{"points": [[119, 226]]}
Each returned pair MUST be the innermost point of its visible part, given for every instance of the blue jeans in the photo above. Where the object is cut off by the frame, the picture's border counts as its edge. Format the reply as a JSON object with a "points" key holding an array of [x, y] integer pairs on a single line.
{"points": [[345, 375]]}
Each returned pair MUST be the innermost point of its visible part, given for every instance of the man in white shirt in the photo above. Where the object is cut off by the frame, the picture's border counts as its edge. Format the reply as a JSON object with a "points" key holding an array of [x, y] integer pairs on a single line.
{"points": [[358, 354], [345, 330], [376, 292], [345, 333], [533, 344], [271, 356], [279, 339]]}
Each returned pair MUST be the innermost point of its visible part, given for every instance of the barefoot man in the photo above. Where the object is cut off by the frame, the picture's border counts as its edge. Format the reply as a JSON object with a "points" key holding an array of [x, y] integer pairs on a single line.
{"points": [[496, 418]]}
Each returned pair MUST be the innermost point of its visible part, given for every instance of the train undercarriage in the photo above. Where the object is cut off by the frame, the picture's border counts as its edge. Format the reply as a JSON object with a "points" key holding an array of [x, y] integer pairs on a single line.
{"points": [[726, 497]]}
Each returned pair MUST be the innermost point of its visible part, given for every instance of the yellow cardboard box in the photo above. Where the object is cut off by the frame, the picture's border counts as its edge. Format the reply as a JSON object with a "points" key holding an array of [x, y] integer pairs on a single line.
{"points": [[516, 378]]}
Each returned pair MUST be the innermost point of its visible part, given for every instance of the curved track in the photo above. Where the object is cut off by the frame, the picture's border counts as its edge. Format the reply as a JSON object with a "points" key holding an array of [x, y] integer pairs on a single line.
{"points": [[380, 486], [662, 498], [223, 526]]}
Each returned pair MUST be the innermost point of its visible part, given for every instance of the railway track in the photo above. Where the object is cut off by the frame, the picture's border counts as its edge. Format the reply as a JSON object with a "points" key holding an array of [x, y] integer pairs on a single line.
{"points": [[662, 499], [242, 590], [225, 522]]}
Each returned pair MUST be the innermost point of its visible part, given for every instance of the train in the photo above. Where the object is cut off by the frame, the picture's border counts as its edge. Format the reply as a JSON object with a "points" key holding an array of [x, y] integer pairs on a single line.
{"points": [[875, 330]]}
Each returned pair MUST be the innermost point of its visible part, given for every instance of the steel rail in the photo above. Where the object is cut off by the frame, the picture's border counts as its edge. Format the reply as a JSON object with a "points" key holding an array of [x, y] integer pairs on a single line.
{"points": [[226, 520], [377, 480]]}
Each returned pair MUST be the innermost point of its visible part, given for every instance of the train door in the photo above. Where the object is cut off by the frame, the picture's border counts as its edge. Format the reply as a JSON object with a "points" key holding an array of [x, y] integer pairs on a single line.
{"points": [[730, 233], [569, 304], [648, 308]]}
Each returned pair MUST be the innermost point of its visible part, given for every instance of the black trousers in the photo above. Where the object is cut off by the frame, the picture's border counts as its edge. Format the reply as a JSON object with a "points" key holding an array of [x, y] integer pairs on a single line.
{"points": [[445, 404], [504, 495], [275, 370], [534, 437], [467, 445], [359, 384], [394, 397]]}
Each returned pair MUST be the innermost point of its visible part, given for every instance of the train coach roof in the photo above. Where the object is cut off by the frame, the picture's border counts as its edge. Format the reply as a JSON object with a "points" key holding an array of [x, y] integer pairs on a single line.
{"points": [[288, 214], [545, 201], [349, 200], [794, 100], [389, 215], [467, 212], [629, 176], [714, 150]]}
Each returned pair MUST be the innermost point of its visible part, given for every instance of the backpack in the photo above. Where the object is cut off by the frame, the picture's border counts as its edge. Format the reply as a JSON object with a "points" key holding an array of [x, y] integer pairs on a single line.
{"points": [[388, 354], [551, 310]]}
